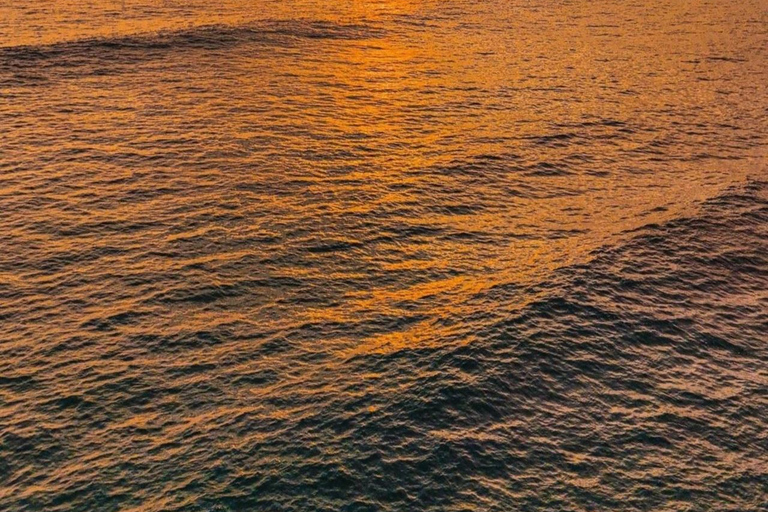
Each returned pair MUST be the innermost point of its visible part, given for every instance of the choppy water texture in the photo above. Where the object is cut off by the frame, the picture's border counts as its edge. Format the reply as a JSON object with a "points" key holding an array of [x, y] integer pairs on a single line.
{"points": [[401, 255]]}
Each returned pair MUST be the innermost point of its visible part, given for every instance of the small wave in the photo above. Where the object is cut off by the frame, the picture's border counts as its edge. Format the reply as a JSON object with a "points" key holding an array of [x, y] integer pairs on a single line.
{"points": [[713, 264], [204, 37]]}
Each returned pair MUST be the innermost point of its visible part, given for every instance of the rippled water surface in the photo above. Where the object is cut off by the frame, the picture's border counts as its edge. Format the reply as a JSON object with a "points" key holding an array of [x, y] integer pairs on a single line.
{"points": [[383, 255]]}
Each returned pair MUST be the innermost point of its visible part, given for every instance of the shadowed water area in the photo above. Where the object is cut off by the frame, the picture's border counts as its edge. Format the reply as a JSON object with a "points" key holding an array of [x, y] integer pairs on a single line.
{"points": [[321, 255]]}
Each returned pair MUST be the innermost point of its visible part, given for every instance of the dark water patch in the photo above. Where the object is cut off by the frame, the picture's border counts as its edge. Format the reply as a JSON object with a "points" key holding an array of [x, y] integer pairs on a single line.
{"points": [[334, 246], [554, 140], [725, 58], [41, 441], [116, 320], [18, 383]]}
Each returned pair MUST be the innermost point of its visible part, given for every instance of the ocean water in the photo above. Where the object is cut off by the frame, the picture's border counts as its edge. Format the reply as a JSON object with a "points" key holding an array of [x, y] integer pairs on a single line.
{"points": [[386, 255]]}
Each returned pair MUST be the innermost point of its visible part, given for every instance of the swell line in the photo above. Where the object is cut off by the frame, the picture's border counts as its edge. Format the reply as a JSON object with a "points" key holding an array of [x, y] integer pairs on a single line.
{"points": [[203, 37]]}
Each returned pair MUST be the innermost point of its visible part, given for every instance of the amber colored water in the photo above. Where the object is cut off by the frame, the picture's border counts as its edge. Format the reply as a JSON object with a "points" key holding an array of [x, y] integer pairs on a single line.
{"points": [[401, 255]]}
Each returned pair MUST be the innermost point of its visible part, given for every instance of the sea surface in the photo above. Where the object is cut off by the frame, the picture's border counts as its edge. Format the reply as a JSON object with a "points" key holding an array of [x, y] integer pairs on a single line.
{"points": [[386, 255]]}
